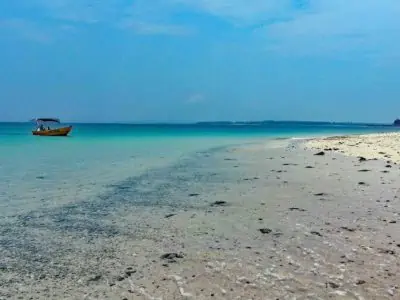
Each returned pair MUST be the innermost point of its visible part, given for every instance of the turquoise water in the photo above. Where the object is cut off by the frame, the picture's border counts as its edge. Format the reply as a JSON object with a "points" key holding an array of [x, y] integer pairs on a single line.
{"points": [[50, 171]]}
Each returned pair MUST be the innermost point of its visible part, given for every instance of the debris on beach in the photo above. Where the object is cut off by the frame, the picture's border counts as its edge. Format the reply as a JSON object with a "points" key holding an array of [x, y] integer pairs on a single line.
{"points": [[348, 228], [248, 179], [296, 208], [219, 203], [320, 153], [94, 278], [320, 194], [171, 257], [386, 251], [129, 271], [316, 233], [332, 285]]}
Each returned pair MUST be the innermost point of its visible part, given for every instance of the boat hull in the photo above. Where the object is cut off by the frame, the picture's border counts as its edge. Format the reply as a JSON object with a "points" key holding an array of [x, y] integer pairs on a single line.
{"points": [[54, 132]]}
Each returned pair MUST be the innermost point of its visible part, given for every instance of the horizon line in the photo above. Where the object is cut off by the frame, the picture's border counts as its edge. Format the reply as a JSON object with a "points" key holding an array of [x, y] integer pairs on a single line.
{"points": [[205, 122]]}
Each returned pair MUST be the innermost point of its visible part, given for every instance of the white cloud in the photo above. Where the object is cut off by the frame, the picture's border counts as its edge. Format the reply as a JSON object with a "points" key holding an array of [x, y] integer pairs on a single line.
{"points": [[195, 98], [314, 27], [142, 17], [155, 29], [345, 18], [68, 28], [364, 27], [25, 29], [83, 11], [288, 26], [241, 12]]}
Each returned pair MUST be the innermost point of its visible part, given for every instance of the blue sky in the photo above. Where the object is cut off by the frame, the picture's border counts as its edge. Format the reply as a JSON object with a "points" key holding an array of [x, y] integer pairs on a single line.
{"points": [[189, 60]]}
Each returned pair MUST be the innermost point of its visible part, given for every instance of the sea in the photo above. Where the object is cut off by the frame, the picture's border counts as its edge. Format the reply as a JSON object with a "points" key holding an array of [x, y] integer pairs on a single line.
{"points": [[43, 172]]}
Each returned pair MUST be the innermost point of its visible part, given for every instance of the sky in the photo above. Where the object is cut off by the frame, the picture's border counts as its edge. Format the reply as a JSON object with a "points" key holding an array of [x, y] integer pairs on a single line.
{"points": [[200, 60]]}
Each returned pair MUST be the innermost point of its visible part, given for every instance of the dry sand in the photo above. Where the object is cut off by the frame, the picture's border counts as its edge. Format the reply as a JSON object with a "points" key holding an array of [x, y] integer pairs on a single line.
{"points": [[271, 221], [385, 146]]}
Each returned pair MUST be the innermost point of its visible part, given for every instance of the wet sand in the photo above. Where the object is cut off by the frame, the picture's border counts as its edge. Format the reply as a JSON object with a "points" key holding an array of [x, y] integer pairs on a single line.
{"points": [[263, 221]]}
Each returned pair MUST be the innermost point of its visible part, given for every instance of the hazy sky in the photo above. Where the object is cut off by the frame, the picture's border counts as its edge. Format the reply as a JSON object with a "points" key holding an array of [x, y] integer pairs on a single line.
{"points": [[188, 60]]}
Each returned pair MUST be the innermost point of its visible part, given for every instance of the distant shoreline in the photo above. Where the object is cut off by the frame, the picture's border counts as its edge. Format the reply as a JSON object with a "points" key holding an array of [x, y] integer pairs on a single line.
{"points": [[220, 123]]}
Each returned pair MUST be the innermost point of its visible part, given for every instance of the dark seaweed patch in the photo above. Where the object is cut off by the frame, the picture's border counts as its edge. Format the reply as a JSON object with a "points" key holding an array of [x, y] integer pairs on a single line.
{"points": [[30, 241]]}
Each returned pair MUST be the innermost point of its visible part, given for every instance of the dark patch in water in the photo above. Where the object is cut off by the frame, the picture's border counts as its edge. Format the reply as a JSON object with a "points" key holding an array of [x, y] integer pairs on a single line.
{"points": [[32, 240]]}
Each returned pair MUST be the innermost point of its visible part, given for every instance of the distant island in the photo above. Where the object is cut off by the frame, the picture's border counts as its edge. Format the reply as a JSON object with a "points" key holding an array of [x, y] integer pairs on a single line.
{"points": [[396, 122], [300, 123]]}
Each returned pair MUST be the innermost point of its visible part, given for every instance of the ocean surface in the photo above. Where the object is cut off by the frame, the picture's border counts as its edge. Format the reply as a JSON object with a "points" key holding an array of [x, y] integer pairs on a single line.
{"points": [[45, 172]]}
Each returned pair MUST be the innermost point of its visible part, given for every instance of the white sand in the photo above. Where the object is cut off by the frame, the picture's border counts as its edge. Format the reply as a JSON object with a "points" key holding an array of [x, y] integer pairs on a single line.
{"points": [[385, 146]]}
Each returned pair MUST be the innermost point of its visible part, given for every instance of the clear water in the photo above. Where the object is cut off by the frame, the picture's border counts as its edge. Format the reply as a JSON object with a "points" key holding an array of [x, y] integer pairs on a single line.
{"points": [[50, 171]]}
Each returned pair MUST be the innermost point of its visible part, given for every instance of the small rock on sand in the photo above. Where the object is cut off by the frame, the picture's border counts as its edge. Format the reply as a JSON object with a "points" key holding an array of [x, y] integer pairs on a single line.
{"points": [[94, 278], [129, 271], [333, 285], [219, 203], [316, 233], [348, 229], [296, 208], [386, 251], [320, 194], [172, 256]]}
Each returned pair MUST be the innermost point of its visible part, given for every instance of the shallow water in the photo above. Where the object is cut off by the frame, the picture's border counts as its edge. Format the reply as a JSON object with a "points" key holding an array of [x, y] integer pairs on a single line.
{"points": [[41, 172], [88, 206]]}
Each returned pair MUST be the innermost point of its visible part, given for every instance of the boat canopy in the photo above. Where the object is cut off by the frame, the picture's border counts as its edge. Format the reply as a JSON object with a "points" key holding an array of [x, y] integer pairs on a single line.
{"points": [[54, 120]]}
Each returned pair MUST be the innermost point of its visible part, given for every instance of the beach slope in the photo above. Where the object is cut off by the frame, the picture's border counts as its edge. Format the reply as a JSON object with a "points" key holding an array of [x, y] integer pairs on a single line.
{"points": [[269, 220]]}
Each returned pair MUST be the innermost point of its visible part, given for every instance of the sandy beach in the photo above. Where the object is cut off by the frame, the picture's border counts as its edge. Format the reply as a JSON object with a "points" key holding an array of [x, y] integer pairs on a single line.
{"points": [[270, 220], [384, 146]]}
